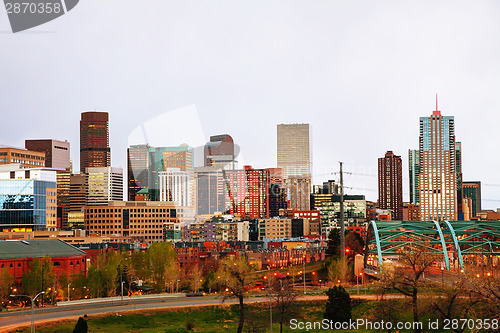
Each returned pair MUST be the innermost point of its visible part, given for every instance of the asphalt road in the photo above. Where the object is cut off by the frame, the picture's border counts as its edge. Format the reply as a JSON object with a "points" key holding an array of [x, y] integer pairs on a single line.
{"points": [[12, 320]]}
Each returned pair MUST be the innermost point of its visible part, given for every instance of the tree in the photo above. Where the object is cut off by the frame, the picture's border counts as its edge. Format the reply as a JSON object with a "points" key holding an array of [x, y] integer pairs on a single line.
{"points": [[285, 298], [161, 261], [81, 326], [39, 277], [339, 270], [455, 301], [196, 278], [408, 279], [354, 243], [233, 276], [333, 242], [338, 306], [387, 310], [6, 283]]}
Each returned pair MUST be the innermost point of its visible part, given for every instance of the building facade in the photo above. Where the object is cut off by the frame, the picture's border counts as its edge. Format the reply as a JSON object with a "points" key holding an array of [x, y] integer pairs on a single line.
{"points": [[176, 185], [137, 169], [414, 170], [220, 152], [26, 158], [472, 190], [211, 191], [293, 153], [163, 158], [28, 199], [390, 184], [57, 153], [94, 140], [104, 185], [136, 221], [298, 190]]}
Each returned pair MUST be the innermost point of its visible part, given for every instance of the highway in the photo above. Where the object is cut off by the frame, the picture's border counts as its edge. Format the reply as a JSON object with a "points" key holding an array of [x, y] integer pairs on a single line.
{"points": [[12, 320]]}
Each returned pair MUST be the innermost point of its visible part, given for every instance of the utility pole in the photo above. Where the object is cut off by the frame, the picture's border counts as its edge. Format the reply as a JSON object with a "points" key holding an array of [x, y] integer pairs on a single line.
{"points": [[342, 227]]}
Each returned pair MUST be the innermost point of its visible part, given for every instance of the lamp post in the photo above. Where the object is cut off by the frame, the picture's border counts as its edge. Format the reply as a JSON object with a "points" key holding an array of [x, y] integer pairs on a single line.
{"points": [[270, 310], [33, 299], [304, 270]]}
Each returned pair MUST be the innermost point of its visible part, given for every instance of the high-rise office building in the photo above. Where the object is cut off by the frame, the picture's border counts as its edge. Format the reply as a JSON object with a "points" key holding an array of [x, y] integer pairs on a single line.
{"points": [[57, 154], [298, 190], [294, 149], [458, 169], [28, 199], [175, 185], [94, 140], [390, 184], [247, 192], [414, 168], [163, 158], [220, 152], [25, 158], [211, 191], [104, 185], [277, 194], [438, 177], [137, 169], [472, 191]]}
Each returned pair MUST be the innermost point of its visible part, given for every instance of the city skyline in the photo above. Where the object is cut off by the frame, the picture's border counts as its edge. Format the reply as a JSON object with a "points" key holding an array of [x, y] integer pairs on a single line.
{"points": [[366, 80]]}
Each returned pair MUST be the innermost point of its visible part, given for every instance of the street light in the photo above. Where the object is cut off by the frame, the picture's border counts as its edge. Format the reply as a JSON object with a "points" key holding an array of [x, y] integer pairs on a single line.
{"points": [[270, 310], [304, 271], [33, 299]]}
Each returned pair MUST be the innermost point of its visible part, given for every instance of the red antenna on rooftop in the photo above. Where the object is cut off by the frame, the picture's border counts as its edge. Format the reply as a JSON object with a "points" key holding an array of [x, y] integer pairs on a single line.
{"points": [[437, 112]]}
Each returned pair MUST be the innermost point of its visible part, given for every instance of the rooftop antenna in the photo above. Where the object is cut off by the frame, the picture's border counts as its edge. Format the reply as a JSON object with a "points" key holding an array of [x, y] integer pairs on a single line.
{"points": [[437, 112]]}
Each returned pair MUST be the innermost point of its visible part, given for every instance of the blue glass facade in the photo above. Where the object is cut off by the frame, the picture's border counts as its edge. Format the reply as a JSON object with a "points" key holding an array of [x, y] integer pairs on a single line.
{"points": [[23, 203]]}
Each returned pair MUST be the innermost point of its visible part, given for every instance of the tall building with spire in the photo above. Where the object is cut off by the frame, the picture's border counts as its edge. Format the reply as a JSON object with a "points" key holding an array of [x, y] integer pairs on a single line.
{"points": [[438, 173], [390, 184]]}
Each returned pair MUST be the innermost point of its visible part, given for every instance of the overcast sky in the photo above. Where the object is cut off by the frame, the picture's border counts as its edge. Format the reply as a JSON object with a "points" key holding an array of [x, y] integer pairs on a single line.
{"points": [[360, 72]]}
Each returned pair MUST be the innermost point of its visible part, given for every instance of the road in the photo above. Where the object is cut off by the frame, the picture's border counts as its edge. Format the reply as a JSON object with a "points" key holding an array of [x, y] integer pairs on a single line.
{"points": [[11, 320]]}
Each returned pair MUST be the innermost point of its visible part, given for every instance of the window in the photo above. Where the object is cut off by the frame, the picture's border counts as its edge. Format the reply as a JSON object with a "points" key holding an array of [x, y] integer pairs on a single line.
{"points": [[57, 264]]}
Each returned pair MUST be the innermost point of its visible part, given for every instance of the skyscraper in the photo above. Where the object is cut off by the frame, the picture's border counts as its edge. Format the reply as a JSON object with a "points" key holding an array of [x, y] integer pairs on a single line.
{"points": [[472, 191], [390, 184], [293, 149], [57, 156], [137, 169], [414, 168], [298, 189], [220, 152], [163, 158], [94, 140], [211, 191], [437, 178], [104, 185], [247, 192]]}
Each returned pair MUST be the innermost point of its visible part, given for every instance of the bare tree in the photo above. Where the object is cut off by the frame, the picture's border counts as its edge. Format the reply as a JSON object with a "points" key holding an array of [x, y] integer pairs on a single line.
{"points": [[285, 298], [233, 276], [453, 301], [408, 279]]}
